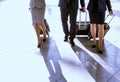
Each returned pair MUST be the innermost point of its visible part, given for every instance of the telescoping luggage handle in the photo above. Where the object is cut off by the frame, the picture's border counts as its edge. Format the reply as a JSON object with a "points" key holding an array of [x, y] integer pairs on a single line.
{"points": [[85, 24], [110, 19]]}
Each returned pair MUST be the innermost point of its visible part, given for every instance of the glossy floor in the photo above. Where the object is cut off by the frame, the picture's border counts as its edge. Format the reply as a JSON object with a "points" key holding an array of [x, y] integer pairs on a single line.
{"points": [[55, 61]]}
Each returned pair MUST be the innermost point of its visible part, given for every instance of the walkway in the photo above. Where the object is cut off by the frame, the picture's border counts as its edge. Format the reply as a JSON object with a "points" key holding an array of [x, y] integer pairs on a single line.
{"points": [[55, 61]]}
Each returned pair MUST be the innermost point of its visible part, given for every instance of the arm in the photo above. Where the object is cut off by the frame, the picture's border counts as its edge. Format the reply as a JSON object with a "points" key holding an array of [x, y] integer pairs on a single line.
{"points": [[82, 2], [109, 7]]}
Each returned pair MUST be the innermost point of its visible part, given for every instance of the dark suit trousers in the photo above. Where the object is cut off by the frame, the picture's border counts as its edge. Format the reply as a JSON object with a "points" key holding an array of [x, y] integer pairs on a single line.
{"points": [[71, 13]]}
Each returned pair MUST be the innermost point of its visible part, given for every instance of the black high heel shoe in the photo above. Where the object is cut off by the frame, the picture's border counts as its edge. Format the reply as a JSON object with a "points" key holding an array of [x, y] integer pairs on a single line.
{"points": [[39, 45], [93, 46], [100, 50], [44, 40]]}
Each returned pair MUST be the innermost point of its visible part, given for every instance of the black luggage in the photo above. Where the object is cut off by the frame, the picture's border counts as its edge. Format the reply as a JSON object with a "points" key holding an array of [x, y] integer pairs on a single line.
{"points": [[82, 26], [47, 28], [83, 30]]}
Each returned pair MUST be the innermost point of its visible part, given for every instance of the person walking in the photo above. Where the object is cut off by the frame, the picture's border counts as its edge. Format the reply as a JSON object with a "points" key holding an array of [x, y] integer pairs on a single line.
{"points": [[97, 9], [37, 8], [69, 8]]}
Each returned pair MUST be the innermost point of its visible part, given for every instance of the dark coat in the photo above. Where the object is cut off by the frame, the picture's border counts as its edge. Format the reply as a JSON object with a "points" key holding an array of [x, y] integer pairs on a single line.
{"points": [[101, 5], [63, 3]]}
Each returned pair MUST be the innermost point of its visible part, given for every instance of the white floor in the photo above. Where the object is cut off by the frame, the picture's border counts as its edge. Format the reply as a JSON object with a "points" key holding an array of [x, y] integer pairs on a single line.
{"points": [[20, 59]]}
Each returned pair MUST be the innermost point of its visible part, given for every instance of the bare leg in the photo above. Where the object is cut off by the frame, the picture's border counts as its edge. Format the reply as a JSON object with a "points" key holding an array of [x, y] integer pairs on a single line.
{"points": [[43, 27], [37, 30], [101, 36], [93, 33]]}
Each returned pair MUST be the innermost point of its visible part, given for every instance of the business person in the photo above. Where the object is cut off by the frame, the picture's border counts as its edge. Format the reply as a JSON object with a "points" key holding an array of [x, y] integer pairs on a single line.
{"points": [[37, 8], [69, 8], [97, 9]]}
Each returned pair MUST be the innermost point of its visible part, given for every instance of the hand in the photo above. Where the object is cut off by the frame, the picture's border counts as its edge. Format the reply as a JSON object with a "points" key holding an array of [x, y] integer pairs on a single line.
{"points": [[83, 9], [111, 13]]}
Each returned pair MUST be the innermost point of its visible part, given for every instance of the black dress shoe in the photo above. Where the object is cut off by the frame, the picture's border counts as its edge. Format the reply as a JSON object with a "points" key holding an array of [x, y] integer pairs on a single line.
{"points": [[66, 38], [44, 40], [72, 42]]}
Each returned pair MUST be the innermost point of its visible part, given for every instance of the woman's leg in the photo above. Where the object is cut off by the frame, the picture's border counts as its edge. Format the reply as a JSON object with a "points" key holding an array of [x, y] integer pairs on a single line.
{"points": [[93, 33], [101, 36], [43, 27], [37, 30]]}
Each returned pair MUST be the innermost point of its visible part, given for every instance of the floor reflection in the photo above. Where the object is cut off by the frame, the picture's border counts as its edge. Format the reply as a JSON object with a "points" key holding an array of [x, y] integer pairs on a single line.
{"points": [[2, 0], [95, 68], [51, 57], [111, 53], [80, 54], [88, 61], [87, 43]]}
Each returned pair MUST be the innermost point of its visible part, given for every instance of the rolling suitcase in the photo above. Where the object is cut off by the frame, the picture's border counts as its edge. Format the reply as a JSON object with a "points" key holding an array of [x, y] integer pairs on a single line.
{"points": [[82, 26]]}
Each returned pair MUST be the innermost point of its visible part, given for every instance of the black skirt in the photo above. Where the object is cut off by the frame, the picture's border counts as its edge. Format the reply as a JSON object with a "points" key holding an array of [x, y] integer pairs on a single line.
{"points": [[97, 17]]}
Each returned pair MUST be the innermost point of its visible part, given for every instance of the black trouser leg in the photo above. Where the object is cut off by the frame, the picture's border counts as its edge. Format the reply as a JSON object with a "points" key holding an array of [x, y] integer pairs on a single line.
{"points": [[64, 18], [73, 16]]}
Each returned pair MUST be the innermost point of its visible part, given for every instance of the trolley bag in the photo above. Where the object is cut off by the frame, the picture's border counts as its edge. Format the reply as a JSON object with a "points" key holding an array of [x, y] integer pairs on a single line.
{"points": [[82, 26], [106, 27], [47, 27]]}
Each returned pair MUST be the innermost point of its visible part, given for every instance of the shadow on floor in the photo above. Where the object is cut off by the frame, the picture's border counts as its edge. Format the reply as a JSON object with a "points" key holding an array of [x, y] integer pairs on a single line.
{"points": [[51, 57], [111, 54], [97, 69]]}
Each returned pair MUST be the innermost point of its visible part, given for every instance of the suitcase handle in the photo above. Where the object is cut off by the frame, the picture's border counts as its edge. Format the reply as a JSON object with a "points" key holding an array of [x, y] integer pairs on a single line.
{"points": [[109, 20], [85, 24]]}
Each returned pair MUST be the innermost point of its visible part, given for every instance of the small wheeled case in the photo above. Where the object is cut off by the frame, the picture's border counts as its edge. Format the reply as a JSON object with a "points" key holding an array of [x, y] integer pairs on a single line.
{"points": [[82, 26]]}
